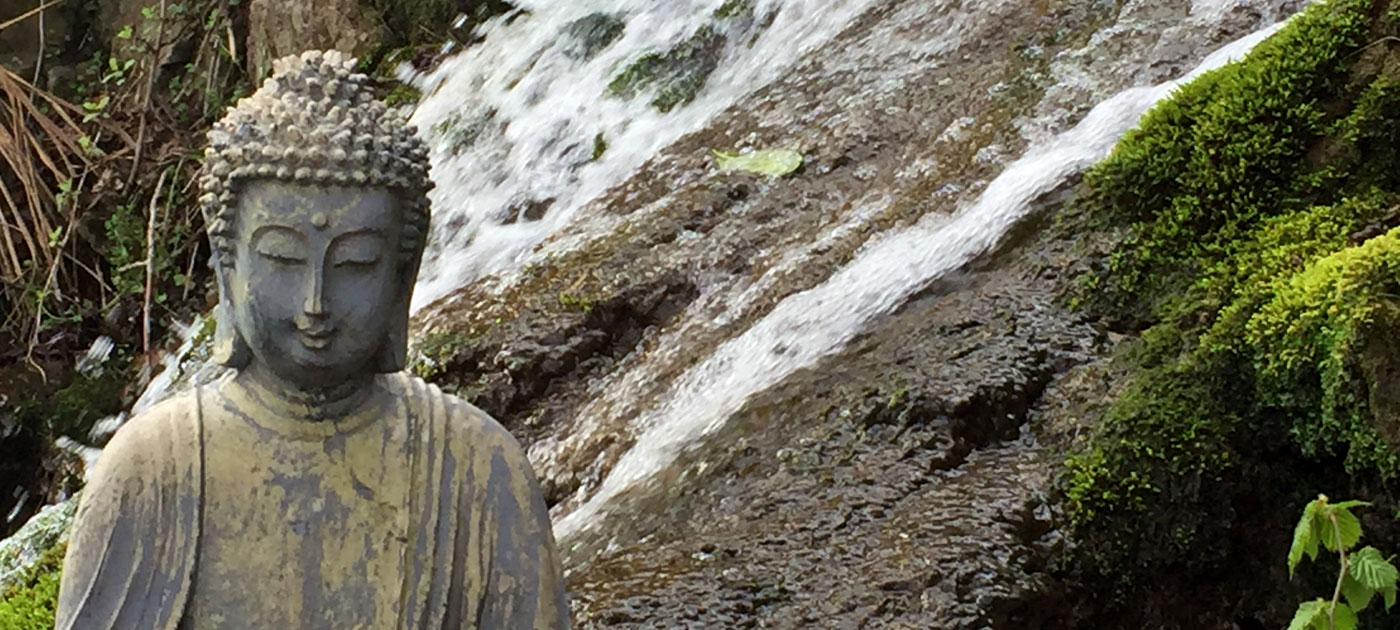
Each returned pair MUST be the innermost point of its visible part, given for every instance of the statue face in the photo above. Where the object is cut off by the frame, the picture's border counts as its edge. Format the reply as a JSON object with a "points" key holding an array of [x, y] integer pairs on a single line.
{"points": [[315, 280]]}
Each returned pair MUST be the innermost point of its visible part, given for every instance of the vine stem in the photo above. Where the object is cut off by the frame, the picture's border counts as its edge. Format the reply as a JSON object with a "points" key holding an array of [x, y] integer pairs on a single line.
{"points": [[1337, 593]]}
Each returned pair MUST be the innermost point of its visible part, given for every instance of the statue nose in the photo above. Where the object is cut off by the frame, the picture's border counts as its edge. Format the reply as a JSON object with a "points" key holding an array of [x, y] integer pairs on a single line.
{"points": [[314, 304]]}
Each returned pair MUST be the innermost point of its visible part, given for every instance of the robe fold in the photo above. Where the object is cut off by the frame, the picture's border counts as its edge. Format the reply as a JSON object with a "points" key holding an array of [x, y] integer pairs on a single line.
{"points": [[479, 553]]}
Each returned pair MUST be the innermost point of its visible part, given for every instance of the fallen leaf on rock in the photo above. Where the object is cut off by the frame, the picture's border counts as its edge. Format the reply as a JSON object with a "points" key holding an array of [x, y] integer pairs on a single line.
{"points": [[775, 162]]}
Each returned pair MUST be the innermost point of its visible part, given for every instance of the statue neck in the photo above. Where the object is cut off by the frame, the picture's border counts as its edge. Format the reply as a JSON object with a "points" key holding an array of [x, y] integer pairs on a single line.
{"points": [[284, 400]]}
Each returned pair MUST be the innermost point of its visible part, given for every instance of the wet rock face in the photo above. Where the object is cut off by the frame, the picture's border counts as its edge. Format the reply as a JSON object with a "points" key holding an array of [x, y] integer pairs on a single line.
{"points": [[892, 485]]}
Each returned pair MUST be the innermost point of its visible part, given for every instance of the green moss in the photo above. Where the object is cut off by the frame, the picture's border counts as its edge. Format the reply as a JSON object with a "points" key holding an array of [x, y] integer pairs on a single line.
{"points": [[1228, 150], [1306, 351], [30, 604], [1244, 201], [1148, 477], [581, 303], [437, 350], [677, 75], [590, 34], [460, 131], [734, 9], [600, 146], [76, 405], [402, 94]]}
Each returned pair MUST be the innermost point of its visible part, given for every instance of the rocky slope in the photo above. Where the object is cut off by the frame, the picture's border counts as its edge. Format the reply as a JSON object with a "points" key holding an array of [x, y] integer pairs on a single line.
{"points": [[894, 480]]}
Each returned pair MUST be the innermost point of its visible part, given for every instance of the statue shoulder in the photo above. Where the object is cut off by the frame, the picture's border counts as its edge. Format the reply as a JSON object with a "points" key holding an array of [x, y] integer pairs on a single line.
{"points": [[462, 417], [153, 437]]}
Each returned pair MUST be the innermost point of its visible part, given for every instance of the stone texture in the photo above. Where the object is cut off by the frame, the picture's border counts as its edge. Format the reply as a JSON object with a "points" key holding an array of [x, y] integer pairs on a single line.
{"points": [[48, 528], [286, 27], [20, 42]]}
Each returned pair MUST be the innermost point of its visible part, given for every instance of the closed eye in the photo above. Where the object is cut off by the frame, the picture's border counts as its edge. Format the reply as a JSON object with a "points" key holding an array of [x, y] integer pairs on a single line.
{"points": [[357, 262], [283, 259], [357, 250], [280, 244]]}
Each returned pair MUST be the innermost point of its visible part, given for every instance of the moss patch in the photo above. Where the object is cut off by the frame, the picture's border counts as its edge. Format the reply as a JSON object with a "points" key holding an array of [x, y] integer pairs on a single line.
{"points": [[590, 34], [677, 75], [1254, 256], [30, 604]]}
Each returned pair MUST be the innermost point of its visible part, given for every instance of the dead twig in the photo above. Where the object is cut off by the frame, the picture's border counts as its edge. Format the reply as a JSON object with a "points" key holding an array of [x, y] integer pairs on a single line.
{"points": [[27, 14], [150, 265]]}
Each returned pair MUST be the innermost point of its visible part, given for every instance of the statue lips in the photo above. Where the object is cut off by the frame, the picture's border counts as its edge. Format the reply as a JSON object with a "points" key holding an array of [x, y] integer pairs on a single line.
{"points": [[315, 337]]}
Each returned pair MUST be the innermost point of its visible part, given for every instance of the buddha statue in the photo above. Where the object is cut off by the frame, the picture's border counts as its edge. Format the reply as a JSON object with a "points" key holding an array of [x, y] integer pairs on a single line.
{"points": [[316, 486]]}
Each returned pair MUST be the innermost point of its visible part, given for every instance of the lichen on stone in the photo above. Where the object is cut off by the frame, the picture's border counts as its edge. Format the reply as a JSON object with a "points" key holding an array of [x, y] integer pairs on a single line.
{"points": [[19, 553], [30, 562]]}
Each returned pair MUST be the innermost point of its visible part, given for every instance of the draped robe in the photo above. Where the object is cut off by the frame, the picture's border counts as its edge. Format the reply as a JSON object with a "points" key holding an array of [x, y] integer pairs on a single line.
{"points": [[447, 522]]}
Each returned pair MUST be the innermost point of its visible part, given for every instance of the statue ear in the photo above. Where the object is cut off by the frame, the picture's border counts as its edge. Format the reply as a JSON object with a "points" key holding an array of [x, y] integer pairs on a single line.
{"points": [[230, 349], [393, 354]]}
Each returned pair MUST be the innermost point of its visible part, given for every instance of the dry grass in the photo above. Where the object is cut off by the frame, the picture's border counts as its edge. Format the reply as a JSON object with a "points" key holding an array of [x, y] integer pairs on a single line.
{"points": [[38, 147], [47, 153]]}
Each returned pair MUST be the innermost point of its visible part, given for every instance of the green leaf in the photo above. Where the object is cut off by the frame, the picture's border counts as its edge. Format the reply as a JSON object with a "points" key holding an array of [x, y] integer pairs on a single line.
{"points": [[1347, 505], [776, 162], [1347, 526], [1369, 567], [1389, 595], [1304, 538], [1358, 595], [1343, 618], [1308, 614], [125, 33]]}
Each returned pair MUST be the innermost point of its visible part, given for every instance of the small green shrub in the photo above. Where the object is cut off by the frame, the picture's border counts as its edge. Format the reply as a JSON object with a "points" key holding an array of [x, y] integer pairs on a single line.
{"points": [[1362, 574]]}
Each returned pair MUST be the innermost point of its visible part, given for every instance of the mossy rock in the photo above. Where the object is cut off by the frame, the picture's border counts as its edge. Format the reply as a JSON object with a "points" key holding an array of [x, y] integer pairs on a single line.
{"points": [[587, 36], [31, 603], [1258, 263], [675, 77]]}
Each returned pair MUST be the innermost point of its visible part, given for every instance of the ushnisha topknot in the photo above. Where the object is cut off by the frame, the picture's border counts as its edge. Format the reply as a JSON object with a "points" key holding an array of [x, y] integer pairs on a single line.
{"points": [[314, 121]]}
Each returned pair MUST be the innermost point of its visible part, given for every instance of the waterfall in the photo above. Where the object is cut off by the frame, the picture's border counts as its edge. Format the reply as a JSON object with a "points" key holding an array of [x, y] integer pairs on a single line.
{"points": [[525, 129], [809, 325]]}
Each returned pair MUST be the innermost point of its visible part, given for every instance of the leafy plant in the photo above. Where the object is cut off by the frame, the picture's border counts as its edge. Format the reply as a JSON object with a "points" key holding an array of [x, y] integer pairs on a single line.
{"points": [[1363, 573]]}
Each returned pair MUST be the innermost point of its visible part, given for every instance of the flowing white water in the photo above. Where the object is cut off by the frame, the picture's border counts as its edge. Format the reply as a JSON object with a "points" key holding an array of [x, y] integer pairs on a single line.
{"points": [[535, 108], [809, 325]]}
